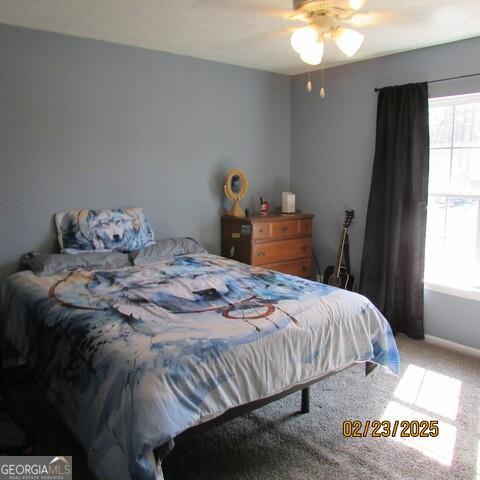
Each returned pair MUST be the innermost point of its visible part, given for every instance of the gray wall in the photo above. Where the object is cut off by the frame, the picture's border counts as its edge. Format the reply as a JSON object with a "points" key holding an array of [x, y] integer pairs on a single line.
{"points": [[453, 318], [333, 144], [89, 124]]}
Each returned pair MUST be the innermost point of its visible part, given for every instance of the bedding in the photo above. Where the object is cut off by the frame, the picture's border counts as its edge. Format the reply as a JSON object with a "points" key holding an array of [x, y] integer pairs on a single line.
{"points": [[44, 264], [134, 356], [169, 247], [105, 230]]}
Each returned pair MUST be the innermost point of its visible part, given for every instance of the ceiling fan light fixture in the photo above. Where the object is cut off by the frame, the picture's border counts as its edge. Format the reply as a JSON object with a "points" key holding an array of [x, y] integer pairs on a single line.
{"points": [[313, 54], [304, 38], [356, 4], [349, 41]]}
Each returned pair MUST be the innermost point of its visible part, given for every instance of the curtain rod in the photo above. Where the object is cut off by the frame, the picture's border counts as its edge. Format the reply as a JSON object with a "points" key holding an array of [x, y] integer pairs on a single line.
{"points": [[447, 79]]}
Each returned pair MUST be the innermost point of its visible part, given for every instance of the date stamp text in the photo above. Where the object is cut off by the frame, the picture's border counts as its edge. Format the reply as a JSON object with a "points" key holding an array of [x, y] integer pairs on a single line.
{"points": [[386, 428]]}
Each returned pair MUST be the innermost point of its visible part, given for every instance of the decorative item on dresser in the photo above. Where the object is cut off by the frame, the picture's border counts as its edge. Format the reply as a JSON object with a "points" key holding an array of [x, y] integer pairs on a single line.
{"points": [[235, 188], [288, 203], [278, 242]]}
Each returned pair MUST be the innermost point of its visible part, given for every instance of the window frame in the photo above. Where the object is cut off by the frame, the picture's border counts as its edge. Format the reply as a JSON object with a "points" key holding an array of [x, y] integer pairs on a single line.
{"points": [[464, 291], [461, 292]]}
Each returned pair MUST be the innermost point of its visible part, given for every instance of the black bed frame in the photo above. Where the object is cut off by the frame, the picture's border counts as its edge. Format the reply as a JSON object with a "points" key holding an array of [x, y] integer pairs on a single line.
{"points": [[165, 449]]}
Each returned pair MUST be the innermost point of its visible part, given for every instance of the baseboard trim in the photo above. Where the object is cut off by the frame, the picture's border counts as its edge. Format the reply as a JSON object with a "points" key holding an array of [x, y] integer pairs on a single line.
{"points": [[452, 345]]}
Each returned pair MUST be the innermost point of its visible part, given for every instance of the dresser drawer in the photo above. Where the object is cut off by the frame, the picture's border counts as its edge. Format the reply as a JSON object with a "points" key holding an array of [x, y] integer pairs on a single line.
{"points": [[300, 268], [288, 228], [283, 250], [261, 231]]}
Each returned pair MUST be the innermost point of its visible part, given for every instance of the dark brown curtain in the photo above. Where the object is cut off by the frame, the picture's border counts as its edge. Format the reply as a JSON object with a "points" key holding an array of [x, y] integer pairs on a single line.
{"points": [[394, 248]]}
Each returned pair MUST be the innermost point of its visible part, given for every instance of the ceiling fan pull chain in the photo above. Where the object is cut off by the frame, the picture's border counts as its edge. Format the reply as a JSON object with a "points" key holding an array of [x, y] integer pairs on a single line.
{"points": [[309, 82], [322, 83]]}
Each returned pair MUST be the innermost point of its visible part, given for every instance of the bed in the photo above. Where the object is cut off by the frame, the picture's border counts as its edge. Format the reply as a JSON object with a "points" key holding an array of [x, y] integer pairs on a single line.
{"points": [[139, 351], [138, 356]]}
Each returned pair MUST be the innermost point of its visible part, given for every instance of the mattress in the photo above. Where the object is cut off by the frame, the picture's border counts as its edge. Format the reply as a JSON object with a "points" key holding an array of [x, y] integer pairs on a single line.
{"points": [[135, 356]]}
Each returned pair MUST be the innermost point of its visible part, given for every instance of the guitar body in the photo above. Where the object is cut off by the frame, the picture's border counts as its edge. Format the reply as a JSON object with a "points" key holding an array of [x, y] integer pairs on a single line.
{"points": [[344, 280], [338, 275]]}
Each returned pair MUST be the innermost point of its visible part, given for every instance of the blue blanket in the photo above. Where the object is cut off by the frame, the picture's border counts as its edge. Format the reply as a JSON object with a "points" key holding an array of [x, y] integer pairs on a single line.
{"points": [[133, 357]]}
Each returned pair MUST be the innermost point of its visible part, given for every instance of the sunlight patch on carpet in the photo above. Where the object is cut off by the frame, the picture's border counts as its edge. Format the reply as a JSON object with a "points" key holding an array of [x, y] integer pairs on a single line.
{"points": [[439, 448], [430, 390]]}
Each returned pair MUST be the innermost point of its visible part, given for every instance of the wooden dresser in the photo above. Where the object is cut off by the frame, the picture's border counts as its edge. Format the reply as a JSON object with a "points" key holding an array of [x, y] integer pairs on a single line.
{"points": [[278, 242]]}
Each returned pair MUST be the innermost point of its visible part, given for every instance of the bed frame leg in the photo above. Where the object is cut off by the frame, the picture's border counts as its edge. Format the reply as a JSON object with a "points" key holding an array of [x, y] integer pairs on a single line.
{"points": [[306, 400]]}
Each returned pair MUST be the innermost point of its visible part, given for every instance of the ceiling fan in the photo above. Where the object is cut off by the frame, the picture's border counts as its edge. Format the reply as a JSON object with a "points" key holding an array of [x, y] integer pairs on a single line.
{"points": [[326, 19]]}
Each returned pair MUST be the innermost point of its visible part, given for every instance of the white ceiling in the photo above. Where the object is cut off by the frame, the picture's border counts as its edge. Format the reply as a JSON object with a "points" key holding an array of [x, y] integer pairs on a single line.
{"points": [[252, 33]]}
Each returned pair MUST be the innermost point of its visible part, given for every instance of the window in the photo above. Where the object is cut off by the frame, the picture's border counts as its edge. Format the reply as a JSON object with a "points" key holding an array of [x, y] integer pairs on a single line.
{"points": [[453, 226]]}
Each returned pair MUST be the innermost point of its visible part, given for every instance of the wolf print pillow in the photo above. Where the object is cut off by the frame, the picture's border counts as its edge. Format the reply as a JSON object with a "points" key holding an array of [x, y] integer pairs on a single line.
{"points": [[119, 229]]}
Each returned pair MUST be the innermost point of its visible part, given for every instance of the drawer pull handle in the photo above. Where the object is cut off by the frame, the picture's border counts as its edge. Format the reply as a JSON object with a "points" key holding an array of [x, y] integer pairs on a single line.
{"points": [[304, 248], [260, 254], [304, 269], [261, 231], [284, 229]]}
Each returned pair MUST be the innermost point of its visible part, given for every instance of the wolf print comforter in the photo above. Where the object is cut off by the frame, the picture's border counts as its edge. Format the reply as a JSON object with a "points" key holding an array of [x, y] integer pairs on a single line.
{"points": [[135, 356]]}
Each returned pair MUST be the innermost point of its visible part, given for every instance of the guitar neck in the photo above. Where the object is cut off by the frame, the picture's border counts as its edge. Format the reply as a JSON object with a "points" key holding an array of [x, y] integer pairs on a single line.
{"points": [[338, 263], [346, 253]]}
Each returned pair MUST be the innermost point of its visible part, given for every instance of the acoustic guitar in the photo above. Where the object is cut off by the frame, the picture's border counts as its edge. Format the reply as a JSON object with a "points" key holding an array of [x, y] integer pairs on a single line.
{"points": [[338, 275]]}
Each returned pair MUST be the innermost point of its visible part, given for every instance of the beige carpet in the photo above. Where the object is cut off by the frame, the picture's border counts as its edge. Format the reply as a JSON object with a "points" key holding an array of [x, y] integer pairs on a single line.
{"points": [[275, 442]]}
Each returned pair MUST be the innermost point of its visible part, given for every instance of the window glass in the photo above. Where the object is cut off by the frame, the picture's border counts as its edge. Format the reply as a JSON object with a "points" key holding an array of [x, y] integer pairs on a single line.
{"points": [[441, 125], [453, 226], [467, 125]]}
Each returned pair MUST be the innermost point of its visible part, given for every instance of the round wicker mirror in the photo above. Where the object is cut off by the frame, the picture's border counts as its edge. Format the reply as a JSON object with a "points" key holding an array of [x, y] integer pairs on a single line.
{"points": [[235, 188]]}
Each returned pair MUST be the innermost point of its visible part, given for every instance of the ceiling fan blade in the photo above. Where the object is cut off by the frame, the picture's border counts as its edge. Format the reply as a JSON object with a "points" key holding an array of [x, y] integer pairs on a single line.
{"points": [[243, 6], [298, 16], [369, 19]]}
